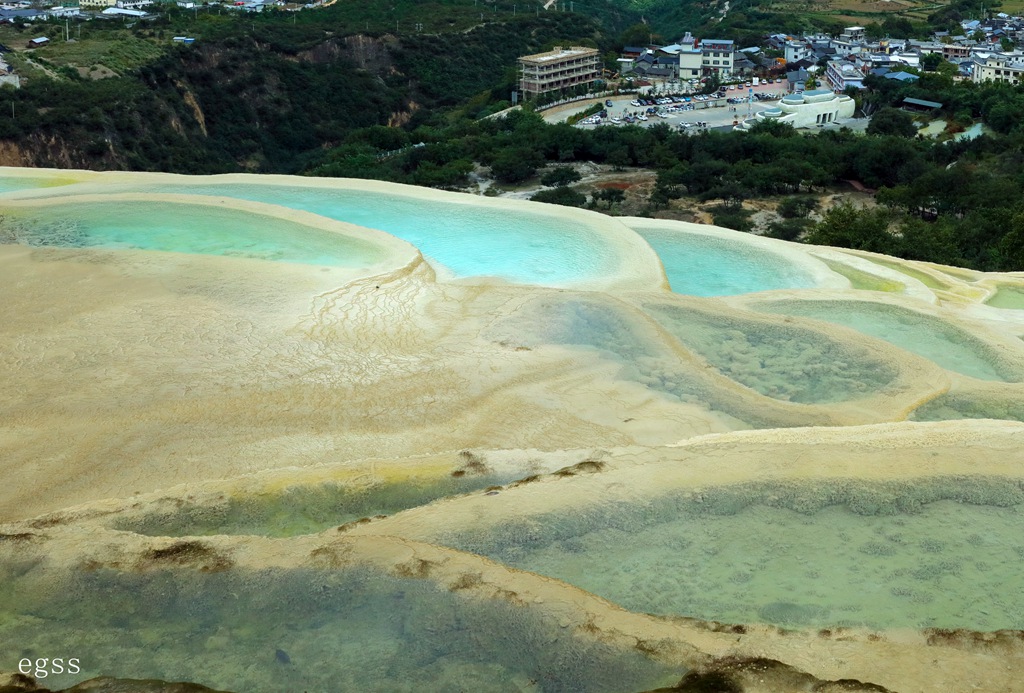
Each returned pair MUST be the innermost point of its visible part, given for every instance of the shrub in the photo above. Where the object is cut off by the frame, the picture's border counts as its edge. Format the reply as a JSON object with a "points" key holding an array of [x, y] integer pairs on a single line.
{"points": [[562, 195], [562, 175]]}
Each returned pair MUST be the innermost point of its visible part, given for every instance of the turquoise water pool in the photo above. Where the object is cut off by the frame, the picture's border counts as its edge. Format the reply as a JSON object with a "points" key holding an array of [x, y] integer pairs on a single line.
{"points": [[884, 557], [524, 247], [350, 629], [933, 338], [700, 265], [184, 228]]}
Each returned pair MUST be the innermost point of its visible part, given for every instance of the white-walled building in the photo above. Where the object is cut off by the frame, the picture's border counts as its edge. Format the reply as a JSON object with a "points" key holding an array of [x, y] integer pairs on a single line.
{"points": [[844, 48], [996, 67], [717, 57], [807, 110], [60, 11], [139, 14], [841, 74], [909, 59], [795, 51], [691, 58], [853, 33]]}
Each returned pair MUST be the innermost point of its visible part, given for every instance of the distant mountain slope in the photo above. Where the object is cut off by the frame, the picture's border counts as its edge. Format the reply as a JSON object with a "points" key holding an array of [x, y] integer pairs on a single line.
{"points": [[265, 96]]}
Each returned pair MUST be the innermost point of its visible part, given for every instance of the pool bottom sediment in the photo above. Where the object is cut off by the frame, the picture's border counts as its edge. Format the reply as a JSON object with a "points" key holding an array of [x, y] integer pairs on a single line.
{"points": [[302, 629]]}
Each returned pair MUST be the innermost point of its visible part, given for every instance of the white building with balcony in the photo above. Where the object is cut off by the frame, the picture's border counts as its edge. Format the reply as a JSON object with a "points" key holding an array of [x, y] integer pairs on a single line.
{"points": [[795, 51], [841, 74], [997, 67], [717, 57]]}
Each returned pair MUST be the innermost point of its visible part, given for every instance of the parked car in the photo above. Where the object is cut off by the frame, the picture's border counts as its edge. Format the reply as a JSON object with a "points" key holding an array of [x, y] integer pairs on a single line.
{"points": [[608, 103]]}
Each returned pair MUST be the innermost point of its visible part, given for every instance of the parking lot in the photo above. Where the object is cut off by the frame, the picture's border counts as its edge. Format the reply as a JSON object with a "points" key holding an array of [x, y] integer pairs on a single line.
{"points": [[689, 111]]}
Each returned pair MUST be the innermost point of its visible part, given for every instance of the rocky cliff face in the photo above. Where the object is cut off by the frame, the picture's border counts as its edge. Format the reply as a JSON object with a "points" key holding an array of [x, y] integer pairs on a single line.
{"points": [[232, 105]]}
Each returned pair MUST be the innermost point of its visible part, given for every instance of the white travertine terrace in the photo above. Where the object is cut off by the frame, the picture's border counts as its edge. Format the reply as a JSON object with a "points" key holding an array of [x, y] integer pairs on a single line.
{"points": [[138, 380]]}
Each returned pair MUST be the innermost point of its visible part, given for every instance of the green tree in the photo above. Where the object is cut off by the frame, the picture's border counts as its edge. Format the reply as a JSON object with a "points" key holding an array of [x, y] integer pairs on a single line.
{"points": [[560, 175], [846, 226], [796, 207], [892, 121], [1011, 246], [638, 35], [789, 229], [899, 27], [732, 217], [930, 62], [612, 196], [562, 195], [513, 165], [1003, 116]]}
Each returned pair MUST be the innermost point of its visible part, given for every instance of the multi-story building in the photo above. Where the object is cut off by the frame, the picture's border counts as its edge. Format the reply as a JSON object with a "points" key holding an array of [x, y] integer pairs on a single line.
{"points": [[795, 51], [844, 48], [716, 57], [954, 53], [558, 69], [853, 33], [691, 58], [841, 74], [994, 67]]}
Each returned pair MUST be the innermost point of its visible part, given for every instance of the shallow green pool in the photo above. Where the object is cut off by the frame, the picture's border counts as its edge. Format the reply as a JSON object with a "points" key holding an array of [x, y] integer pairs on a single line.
{"points": [[958, 405], [302, 630], [928, 554], [10, 183], [930, 337], [303, 510], [1008, 297], [784, 362]]}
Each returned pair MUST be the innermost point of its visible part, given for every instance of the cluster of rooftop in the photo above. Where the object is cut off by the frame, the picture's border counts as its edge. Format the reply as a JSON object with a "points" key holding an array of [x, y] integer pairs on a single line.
{"points": [[21, 11], [979, 53]]}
